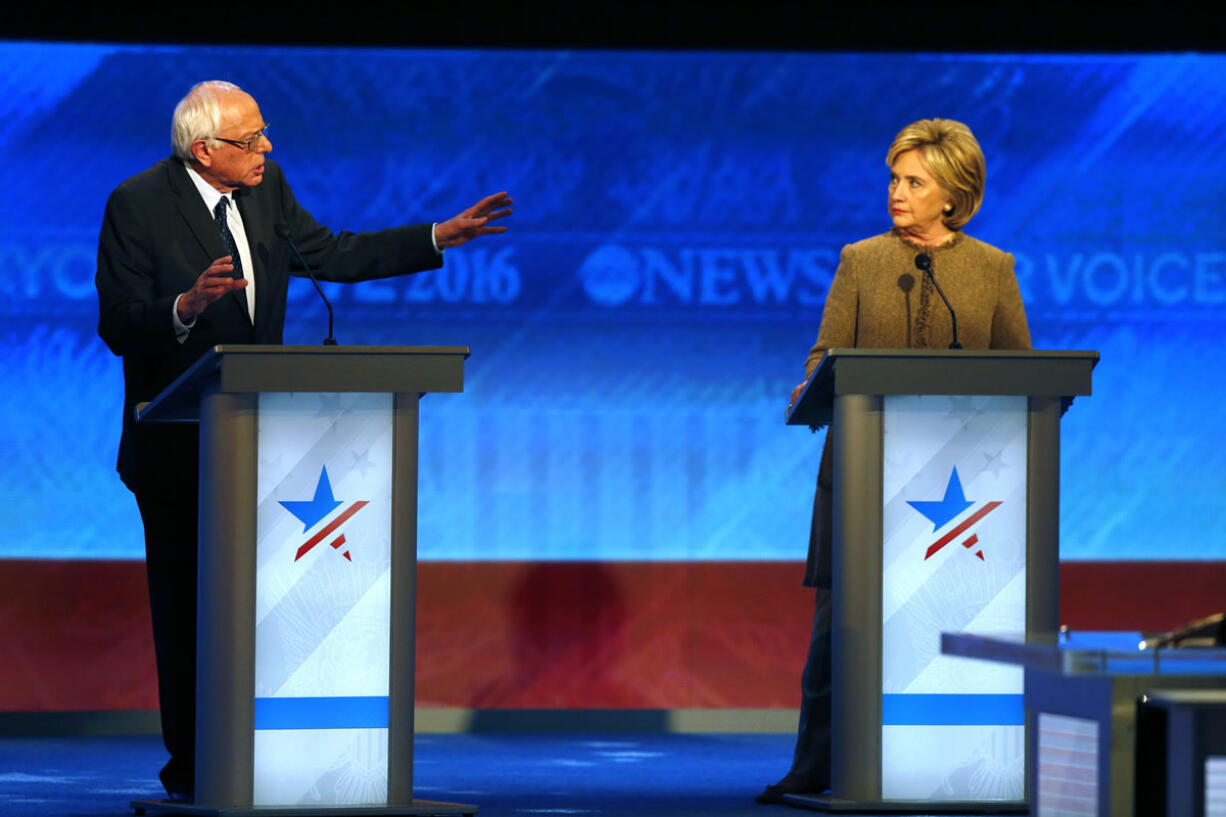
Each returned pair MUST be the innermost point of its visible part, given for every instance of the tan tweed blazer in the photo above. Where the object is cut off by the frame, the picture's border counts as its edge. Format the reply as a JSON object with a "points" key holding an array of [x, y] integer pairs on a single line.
{"points": [[879, 299]]}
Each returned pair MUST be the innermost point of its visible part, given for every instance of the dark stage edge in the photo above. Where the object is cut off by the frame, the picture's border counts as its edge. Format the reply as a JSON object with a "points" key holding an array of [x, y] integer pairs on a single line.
{"points": [[837, 805], [418, 807]]}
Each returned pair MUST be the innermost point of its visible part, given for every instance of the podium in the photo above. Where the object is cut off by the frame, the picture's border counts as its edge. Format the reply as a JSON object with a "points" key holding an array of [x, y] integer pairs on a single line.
{"points": [[307, 576], [945, 519]]}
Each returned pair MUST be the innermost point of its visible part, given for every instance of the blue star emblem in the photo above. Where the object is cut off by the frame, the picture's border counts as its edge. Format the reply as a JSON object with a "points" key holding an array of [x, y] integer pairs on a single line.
{"points": [[954, 503], [310, 512]]}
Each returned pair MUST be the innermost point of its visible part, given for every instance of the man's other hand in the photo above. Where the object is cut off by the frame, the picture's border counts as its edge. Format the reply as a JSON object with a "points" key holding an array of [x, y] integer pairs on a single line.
{"points": [[213, 283], [473, 222]]}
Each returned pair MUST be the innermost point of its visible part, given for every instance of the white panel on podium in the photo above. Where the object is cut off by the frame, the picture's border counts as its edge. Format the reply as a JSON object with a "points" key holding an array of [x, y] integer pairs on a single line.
{"points": [[323, 599], [954, 560]]}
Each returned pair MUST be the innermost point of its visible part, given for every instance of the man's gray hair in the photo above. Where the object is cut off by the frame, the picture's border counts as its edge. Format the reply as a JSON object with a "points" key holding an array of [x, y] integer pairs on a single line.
{"points": [[198, 115]]}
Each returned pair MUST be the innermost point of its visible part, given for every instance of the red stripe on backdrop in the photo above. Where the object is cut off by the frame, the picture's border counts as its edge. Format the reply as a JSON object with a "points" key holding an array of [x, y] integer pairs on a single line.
{"points": [[612, 634], [75, 635], [1140, 595]]}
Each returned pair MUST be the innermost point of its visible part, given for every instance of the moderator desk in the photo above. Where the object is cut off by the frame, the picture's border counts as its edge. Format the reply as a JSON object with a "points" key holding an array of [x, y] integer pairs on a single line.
{"points": [[1080, 695]]}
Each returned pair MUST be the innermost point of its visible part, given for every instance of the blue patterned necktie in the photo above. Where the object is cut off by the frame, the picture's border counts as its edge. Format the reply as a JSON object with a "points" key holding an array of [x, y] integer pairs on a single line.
{"points": [[227, 241]]}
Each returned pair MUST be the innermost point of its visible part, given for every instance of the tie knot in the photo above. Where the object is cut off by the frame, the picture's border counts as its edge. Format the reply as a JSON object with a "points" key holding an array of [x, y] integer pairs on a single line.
{"points": [[220, 210]]}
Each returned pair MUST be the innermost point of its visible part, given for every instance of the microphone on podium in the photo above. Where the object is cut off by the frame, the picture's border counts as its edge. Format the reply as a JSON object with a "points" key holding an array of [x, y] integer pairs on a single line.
{"points": [[282, 229], [923, 262]]}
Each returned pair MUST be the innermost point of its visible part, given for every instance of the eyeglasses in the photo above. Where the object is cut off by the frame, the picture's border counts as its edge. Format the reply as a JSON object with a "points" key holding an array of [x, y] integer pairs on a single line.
{"points": [[248, 145]]}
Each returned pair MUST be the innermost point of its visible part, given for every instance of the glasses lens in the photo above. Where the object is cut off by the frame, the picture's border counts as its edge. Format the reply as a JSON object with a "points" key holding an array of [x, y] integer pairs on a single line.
{"points": [[258, 139]]}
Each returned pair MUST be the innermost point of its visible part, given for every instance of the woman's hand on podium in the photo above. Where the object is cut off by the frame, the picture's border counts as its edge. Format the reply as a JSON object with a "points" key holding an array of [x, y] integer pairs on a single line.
{"points": [[796, 394]]}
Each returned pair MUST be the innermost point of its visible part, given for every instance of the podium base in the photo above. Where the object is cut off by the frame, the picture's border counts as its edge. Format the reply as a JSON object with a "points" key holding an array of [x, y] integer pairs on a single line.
{"points": [[830, 803], [417, 807]]}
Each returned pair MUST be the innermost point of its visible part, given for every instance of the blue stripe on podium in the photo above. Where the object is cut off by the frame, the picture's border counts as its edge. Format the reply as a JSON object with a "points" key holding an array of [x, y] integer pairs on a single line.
{"points": [[321, 713], [952, 710]]}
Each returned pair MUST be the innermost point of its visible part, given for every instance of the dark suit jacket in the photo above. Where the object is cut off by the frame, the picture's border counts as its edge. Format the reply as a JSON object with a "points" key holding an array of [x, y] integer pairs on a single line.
{"points": [[158, 236]]}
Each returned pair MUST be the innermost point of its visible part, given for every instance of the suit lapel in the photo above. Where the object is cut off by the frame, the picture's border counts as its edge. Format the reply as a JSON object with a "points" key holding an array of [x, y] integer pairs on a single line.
{"points": [[197, 217], [200, 221]]}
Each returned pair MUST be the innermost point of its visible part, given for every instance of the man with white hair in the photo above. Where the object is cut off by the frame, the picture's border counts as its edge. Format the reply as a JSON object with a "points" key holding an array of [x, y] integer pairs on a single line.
{"points": [[191, 255]]}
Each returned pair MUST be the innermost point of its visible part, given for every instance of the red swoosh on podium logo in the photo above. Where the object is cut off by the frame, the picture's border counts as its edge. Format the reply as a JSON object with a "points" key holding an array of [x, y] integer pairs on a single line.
{"points": [[961, 528], [331, 526]]}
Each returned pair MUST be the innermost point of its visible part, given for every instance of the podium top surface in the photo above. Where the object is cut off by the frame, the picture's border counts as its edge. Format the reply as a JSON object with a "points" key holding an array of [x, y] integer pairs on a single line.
{"points": [[1035, 373], [256, 368], [1086, 653]]}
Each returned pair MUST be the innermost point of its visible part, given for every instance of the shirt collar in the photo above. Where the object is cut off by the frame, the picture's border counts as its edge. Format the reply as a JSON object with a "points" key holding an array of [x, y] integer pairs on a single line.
{"points": [[208, 192]]}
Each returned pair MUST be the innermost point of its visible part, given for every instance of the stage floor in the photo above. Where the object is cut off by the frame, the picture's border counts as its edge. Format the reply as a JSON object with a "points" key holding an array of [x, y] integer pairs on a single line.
{"points": [[505, 774]]}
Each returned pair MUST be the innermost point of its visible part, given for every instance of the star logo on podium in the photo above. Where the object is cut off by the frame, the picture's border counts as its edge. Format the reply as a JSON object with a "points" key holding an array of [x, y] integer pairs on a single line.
{"points": [[312, 511], [943, 511]]}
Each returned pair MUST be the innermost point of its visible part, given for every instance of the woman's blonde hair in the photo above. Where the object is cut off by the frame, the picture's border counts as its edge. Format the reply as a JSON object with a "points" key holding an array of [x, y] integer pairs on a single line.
{"points": [[953, 157]]}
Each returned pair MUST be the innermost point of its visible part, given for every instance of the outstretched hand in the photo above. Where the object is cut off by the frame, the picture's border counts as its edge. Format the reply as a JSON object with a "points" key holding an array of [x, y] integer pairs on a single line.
{"points": [[213, 283], [473, 222]]}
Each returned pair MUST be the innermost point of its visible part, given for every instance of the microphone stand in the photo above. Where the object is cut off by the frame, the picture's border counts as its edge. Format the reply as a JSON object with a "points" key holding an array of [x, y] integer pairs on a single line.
{"points": [[282, 229], [923, 262]]}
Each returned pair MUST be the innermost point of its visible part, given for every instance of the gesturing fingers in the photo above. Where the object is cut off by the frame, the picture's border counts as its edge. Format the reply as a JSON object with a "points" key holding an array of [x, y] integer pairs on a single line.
{"points": [[473, 222], [488, 205], [498, 214], [470, 228], [221, 269], [221, 266], [210, 285], [219, 278]]}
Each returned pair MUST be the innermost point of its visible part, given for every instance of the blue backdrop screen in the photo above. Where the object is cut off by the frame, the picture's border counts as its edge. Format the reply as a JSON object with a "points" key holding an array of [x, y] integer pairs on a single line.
{"points": [[636, 334]]}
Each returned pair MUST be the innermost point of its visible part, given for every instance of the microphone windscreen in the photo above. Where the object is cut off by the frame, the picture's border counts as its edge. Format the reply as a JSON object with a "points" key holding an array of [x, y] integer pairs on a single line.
{"points": [[923, 261], [281, 228], [906, 281]]}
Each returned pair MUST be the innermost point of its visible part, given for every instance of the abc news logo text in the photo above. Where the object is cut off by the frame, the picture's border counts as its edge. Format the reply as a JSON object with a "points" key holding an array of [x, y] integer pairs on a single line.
{"points": [[614, 276]]}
